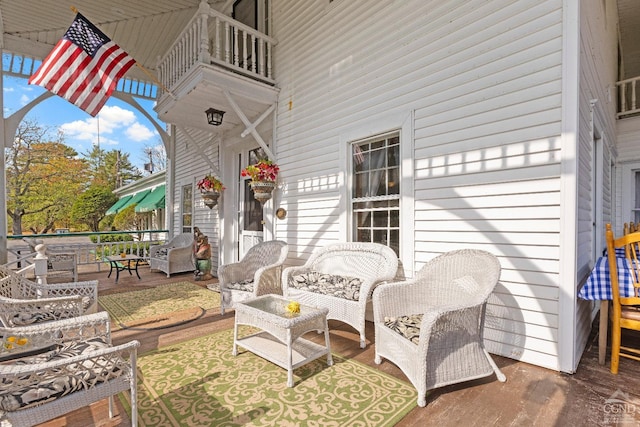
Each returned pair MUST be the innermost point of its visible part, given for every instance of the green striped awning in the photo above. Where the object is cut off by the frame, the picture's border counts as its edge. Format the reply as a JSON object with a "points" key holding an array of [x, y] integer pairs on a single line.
{"points": [[137, 198], [155, 200], [117, 206]]}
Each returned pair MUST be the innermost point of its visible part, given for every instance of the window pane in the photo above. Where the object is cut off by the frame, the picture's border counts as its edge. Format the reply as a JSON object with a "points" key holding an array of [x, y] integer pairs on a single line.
{"points": [[364, 235], [380, 219], [394, 181], [394, 241], [376, 190], [380, 236]]}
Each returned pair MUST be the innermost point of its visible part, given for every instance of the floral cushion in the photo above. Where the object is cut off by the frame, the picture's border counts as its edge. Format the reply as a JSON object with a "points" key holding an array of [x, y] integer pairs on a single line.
{"points": [[29, 318], [245, 285], [407, 326], [58, 383], [327, 284], [161, 253]]}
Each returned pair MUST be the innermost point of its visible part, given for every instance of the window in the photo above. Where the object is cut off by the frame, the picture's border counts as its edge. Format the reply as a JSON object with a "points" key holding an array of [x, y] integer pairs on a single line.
{"points": [[375, 198], [187, 209]]}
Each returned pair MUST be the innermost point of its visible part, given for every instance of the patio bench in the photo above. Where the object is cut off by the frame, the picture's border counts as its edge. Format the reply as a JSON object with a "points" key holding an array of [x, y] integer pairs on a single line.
{"points": [[342, 277]]}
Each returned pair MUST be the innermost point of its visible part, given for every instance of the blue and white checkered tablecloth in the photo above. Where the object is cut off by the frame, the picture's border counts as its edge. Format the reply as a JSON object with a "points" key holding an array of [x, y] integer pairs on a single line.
{"points": [[598, 285]]}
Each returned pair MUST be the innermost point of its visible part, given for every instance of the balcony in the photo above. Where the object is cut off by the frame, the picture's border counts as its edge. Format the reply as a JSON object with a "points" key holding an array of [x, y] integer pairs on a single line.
{"points": [[216, 62], [628, 98]]}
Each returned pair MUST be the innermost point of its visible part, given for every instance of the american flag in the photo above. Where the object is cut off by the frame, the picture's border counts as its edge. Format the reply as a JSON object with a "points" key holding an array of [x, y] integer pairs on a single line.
{"points": [[84, 67]]}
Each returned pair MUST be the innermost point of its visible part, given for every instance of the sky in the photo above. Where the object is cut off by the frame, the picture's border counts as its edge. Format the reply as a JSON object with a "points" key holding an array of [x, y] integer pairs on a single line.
{"points": [[118, 126]]}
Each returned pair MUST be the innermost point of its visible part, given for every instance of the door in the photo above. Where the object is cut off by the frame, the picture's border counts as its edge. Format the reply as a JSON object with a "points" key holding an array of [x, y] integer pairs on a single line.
{"points": [[250, 214], [254, 14]]}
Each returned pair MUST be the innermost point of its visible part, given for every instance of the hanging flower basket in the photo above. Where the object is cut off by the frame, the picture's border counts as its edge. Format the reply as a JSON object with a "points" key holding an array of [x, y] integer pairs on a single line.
{"points": [[210, 187], [262, 190], [210, 198], [263, 179]]}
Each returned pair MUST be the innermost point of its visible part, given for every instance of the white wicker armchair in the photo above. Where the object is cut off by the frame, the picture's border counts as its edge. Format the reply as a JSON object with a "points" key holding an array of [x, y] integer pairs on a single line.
{"points": [[75, 366], [431, 326], [59, 262], [258, 273], [361, 265], [23, 302], [175, 256]]}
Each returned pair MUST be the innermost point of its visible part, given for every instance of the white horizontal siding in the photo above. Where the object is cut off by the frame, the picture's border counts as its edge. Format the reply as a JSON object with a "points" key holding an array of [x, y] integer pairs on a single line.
{"points": [[190, 167], [482, 80]]}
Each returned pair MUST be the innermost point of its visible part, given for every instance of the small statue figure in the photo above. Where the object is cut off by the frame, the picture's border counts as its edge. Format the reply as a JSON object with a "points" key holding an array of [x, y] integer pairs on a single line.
{"points": [[203, 258]]}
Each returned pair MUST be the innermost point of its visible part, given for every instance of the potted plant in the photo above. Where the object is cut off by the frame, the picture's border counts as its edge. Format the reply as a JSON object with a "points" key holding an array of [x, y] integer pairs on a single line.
{"points": [[210, 187], [263, 178]]}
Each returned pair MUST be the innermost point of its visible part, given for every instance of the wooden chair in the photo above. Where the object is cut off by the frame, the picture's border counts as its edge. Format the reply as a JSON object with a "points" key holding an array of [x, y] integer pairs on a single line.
{"points": [[626, 310]]}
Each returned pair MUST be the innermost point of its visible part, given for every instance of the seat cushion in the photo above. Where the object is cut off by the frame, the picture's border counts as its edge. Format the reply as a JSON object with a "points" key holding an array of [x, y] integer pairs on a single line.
{"points": [[245, 285], [327, 284], [55, 384], [407, 326]]}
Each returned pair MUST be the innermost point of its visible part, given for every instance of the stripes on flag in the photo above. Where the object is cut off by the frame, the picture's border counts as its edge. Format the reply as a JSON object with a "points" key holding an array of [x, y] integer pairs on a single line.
{"points": [[84, 67]]}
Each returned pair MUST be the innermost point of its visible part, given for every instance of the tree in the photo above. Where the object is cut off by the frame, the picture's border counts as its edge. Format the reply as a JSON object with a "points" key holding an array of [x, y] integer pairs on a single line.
{"points": [[157, 157], [43, 177], [128, 219], [111, 169], [89, 208]]}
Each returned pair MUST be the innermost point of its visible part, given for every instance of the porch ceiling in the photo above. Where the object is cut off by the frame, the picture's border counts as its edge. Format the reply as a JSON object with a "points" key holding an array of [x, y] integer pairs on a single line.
{"points": [[143, 28]]}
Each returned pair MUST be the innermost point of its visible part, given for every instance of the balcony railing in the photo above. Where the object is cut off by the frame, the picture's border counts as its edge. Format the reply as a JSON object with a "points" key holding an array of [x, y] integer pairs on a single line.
{"points": [[212, 38], [628, 97]]}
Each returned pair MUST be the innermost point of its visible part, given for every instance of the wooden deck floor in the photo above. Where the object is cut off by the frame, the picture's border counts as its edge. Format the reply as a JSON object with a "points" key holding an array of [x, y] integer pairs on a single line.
{"points": [[532, 396]]}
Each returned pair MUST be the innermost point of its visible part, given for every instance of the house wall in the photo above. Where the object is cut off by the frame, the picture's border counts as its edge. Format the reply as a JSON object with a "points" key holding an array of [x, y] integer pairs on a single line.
{"points": [[628, 160], [596, 137], [475, 87], [193, 146]]}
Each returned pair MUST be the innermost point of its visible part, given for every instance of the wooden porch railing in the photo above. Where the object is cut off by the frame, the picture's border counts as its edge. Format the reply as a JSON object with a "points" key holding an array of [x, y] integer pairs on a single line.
{"points": [[628, 97], [214, 38]]}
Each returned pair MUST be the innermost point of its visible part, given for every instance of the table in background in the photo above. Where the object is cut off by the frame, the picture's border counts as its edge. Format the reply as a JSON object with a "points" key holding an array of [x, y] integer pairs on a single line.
{"points": [[121, 263], [598, 287]]}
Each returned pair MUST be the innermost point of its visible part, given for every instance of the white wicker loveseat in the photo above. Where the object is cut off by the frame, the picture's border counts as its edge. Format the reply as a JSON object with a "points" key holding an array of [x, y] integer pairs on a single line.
{"points": [[258, 273], [431, 326], [175, 256], [341, 277], [23, 302], [77, 365]]}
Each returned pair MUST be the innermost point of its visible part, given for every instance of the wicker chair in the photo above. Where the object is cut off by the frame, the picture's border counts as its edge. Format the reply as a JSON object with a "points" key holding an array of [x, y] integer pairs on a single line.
{"points": [[258, 273], [175, 256], [74, 366], [23, 302], [362, 265], [59, 262], [431, 326]]}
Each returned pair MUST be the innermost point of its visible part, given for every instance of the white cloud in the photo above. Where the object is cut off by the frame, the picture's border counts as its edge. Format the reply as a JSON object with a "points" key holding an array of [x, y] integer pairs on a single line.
{"points": [[24, 100], [9, 89], [139, 132], [110, 121]]}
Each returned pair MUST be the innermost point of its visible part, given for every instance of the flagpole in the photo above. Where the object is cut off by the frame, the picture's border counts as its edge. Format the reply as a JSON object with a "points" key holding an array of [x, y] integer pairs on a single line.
{"points": [[147, 72]]}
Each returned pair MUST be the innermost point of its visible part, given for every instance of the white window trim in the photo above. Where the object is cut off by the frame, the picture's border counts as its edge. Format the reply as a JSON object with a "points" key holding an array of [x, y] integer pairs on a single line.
{"points": [[402, 122]]}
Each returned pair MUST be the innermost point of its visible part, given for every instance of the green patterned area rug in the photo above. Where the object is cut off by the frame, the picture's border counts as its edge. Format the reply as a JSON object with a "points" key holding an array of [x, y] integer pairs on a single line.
{"points": [[199, 383], [159, 307]]}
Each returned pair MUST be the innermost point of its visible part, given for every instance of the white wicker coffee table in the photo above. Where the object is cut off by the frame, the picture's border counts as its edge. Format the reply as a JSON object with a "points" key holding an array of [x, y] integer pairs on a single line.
{"points": [[279, 340]]}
